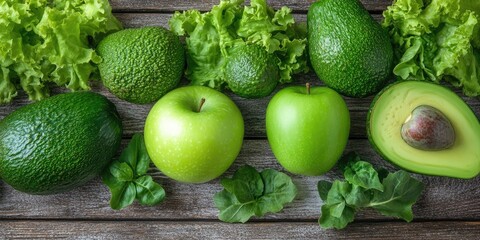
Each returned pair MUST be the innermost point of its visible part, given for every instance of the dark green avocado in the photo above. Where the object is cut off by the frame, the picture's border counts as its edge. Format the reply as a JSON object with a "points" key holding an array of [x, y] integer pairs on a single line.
{"points": [[349, 50], [59, 143]]}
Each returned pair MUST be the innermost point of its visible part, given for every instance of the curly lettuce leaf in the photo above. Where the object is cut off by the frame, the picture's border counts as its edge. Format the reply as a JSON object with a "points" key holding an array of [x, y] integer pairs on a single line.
{"points": [[212, 36], [45, 41], [436, 40]]}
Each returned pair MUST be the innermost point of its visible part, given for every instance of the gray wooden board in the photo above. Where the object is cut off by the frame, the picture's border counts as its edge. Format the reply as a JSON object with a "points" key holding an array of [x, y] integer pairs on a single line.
{"points": [[448, 209], [215, 230], [206, 5]]}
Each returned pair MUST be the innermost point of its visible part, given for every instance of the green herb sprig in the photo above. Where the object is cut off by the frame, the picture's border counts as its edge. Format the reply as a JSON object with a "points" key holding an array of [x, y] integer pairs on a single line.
{"points": [[392, 194], [127, 177], [251, 193]]}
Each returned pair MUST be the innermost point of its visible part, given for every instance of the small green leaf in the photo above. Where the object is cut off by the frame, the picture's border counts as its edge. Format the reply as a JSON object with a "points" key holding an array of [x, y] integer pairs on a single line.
{"points": [[121, 171], [122, 195], [148, 191], [279, 190], [323, 188], [246, 184], [250, 193], [231, 210], [339, 222], [143, 160], [363, 174], [401, 192]]}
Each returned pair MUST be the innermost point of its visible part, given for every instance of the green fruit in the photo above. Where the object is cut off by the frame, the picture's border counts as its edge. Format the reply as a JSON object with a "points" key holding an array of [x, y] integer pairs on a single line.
{"points": [[307, 131], [58, 143], [251, 72], [425, 128], [190, 141], [349, 50], [141, 65]]}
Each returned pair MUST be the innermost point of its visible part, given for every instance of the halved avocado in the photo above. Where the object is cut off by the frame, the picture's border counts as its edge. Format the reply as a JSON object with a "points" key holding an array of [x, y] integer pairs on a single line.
{"points": [[393, 106]]}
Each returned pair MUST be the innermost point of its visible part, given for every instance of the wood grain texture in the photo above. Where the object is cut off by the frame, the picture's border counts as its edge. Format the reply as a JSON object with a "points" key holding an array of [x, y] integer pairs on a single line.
{"points": [[206, 5], [443, 198], [216, 230]]}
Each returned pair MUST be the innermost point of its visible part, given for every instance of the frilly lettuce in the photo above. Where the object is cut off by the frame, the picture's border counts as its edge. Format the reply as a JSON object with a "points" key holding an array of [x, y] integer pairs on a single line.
{"points": [[435, 40], [50, 41], [212, 36]]}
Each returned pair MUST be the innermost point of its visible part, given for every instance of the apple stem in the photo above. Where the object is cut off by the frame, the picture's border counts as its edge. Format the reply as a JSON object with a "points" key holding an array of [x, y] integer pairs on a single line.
{"points": [[308, 88], [202, 101]]}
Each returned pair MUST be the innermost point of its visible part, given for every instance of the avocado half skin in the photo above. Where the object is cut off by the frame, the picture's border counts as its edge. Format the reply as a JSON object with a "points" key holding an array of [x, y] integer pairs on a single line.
{"points": [[387, 158], [59, 143]]}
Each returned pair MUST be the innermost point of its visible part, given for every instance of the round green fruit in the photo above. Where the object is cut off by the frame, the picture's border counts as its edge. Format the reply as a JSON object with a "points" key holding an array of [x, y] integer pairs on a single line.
{"points": [[307, 128], [193, 134], [140, 65]]}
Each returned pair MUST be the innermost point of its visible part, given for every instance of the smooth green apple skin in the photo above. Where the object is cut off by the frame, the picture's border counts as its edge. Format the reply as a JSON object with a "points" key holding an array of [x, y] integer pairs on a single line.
{"points": [[190, 146], [307, 133]]}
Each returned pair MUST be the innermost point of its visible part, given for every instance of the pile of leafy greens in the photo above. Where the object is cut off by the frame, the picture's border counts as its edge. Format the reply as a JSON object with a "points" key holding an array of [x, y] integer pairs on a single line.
{"points": [[392, 194], [435, 40], [50, 41], [212, 36]]}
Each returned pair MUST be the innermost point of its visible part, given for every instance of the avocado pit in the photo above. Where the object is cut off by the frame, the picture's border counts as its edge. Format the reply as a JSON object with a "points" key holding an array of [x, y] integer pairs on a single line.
{"points": [[427, 128]]}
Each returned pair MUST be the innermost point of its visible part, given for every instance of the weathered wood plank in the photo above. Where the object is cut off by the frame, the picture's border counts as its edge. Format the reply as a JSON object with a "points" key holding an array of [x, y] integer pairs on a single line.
{"points": [[444, 198], [216, 230], [206, 5]]}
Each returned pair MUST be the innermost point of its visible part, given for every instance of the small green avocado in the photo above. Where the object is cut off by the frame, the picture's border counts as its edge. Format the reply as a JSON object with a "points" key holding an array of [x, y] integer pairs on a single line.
{"points": [[425, 128], [251, 72], [59, 143], [349, 50]]}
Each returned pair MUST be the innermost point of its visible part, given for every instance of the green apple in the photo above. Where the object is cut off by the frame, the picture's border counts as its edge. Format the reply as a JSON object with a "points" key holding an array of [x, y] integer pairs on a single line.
{"points": [[193, 134], [307, 128]]}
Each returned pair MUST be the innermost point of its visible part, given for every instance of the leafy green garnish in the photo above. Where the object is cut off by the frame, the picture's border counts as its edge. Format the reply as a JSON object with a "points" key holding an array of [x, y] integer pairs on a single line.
{"points": [[127, 177], [392, 194], [250, 193], [212, 36]]}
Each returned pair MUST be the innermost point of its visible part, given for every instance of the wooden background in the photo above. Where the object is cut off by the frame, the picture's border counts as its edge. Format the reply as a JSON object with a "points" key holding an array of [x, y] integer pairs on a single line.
{"points": [[448, 209]]}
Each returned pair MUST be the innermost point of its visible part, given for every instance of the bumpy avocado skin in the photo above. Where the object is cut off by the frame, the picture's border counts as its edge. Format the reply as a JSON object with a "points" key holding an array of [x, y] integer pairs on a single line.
{"points": [[349, 50], [140, 65], [58, 143], [457, 156], [251, 72]]}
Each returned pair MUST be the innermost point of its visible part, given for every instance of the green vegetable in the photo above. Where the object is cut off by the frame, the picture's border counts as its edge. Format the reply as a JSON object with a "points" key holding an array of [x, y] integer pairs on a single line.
{"points": [[392, 194], [435, 40], [212, 36], [127, 177], [250, 193], [50, 41], [59, 143]]}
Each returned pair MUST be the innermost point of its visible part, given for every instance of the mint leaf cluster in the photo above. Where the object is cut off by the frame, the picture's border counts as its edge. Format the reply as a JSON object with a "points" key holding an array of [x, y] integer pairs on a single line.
{"points": [[251, 193], [391, 194], [127, 177]]}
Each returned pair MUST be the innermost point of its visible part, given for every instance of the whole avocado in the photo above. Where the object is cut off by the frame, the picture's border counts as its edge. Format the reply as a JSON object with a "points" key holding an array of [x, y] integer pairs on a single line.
{"points": [[140, 65], [59, 143], [349, 50], [251, 72]]}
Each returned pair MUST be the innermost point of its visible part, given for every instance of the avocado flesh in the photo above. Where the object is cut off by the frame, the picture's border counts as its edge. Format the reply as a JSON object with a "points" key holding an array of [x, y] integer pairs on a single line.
{"points": [[392, 107]]}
